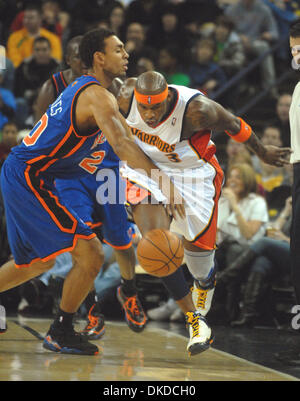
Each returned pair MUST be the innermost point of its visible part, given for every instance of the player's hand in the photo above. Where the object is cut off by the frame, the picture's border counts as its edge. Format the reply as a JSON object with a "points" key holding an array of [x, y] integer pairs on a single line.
{"points": [[276, 156], [230, 196], [175, 203], [277, 234], [288, 206]]}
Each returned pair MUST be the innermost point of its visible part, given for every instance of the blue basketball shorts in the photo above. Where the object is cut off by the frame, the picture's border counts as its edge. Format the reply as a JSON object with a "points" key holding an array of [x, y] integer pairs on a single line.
{"points": [[81, 196], [40, 225]]}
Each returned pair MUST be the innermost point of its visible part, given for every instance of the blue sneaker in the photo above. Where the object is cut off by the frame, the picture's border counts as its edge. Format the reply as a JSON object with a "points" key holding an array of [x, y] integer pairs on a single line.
{"points": [[68, 342]]}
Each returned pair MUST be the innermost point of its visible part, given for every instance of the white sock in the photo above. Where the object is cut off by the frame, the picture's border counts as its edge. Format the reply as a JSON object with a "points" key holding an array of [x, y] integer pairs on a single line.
{"points": [[201, 265]]}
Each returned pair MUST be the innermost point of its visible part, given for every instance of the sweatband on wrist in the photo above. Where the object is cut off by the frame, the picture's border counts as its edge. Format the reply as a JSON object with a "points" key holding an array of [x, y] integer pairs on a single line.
{"points": [[151, 99], [244, 134]]}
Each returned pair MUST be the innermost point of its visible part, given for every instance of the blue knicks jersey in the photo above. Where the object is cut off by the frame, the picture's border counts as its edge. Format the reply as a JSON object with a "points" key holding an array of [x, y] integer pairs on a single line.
{"points": [[55, 147], [59, 83], [111, 159]]}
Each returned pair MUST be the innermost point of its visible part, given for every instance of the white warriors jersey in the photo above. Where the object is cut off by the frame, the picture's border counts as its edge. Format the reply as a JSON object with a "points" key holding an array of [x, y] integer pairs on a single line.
{"points": [[163, 143], [190, 164]]}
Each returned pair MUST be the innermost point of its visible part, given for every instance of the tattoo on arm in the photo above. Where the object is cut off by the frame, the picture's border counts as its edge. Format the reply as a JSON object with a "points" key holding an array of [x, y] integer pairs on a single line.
{"points": [[255, 145], [204, 113]]}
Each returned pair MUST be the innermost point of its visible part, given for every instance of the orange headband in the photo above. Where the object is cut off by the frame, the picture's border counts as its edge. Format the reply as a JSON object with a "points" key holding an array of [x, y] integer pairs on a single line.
{"points": [[244, 134], [151, 99]]}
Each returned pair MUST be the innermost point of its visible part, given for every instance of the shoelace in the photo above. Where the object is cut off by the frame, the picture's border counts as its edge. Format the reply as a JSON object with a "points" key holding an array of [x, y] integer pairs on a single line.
{"points": [[193, 320], [202, 294], [93, 322], [131, 305]]}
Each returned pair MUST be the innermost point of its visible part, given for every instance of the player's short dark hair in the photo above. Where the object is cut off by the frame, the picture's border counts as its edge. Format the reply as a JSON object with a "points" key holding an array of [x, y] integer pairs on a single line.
{"points": [[41, 39], [295, 29], [93, 41]]}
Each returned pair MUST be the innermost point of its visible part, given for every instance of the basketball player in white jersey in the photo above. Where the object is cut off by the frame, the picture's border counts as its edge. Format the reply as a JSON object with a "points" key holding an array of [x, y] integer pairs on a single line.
{"points": [[172, 125]]}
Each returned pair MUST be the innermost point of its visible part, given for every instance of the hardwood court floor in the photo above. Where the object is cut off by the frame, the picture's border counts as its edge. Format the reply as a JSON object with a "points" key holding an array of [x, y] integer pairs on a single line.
{"points": [[154, 355]]}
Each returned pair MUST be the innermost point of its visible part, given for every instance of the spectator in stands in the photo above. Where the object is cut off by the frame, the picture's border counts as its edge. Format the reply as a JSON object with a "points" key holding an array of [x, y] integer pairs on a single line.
{"points": [[204, 10], [284, 16], [192, 31], [236, 152], [169, 66], [8, 75], [50, 16], [31, 74], [258, 30], [144, 64], [116, 19], [35, 70], [230, 54], [136, 48], [267, 260], [242, 219], [9, 139], [242, 213], [143, 11], [282, 118], [7, 103], [204, 73], [20, 43], [269, 177], [167, 30]]}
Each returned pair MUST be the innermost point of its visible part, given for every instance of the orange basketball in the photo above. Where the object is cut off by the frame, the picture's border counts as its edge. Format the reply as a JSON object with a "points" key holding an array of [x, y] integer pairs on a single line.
{"points": [[160, 252]]}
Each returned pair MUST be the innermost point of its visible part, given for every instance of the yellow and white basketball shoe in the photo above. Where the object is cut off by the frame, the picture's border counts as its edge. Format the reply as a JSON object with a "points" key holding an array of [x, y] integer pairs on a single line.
{"points": [[201, 336]]}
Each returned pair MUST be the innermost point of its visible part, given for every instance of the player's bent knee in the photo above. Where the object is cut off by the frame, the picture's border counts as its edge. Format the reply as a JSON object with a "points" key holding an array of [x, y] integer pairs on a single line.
{"points": [[42, 267], [91, 257]]}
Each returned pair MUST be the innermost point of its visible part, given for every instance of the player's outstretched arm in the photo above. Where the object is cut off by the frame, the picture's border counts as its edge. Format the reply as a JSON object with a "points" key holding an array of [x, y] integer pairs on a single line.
{"points": [[104, 108], [45, 98], [204, 113]]}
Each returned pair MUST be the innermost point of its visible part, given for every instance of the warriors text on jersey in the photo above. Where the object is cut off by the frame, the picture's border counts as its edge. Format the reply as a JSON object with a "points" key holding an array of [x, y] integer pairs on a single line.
{"points": [[163, 143]]}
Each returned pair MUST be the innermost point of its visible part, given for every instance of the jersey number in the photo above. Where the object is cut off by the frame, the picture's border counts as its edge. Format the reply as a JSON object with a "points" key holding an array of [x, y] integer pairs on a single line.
{"points": [[173, 157], [90, 164], [37, 131]]}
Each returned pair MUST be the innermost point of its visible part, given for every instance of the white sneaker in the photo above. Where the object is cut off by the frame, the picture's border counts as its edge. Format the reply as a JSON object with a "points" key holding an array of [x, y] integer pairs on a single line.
{"points": [[200, 333], [163, 312], [202, 297], [177, 316]]}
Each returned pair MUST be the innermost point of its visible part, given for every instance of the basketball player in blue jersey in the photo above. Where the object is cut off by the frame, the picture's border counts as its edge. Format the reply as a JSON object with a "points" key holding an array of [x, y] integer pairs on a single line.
{"points": [[80, 195], [39, 225], [58, 82], [53, 87]]}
